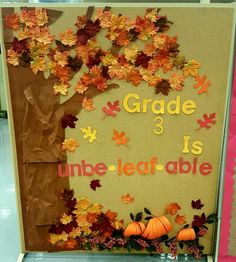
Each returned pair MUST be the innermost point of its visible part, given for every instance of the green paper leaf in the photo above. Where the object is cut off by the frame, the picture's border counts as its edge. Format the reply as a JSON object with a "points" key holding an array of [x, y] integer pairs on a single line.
{"points": [[148, 218], [201, 248], [131, 216], [139, 216], [181, 245], [211, 219], [164, 238], [147, 211]]}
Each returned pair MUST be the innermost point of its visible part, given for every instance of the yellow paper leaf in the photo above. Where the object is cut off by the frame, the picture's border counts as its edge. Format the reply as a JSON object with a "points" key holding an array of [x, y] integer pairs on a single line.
{"points": [[38, 64], [89, 133], [191, 68], [60, 88], [66, 219]]}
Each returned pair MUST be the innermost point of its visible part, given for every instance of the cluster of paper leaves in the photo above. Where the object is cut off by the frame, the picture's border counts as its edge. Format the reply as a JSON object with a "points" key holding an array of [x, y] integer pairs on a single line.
{"points": [[35, 46]]}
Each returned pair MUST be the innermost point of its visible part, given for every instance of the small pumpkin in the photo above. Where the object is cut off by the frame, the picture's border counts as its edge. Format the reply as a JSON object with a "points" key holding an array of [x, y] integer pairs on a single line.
{"points": [[157, 227], [134, 229], [186, 234]]}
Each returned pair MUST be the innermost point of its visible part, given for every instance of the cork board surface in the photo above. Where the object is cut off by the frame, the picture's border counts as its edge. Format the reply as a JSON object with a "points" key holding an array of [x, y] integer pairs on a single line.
{"points": [[207, 41]]}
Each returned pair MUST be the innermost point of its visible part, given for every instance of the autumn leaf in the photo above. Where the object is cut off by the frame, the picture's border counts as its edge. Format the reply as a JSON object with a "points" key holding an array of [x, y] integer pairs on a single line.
{"points": [[191, 68], [68, 121], [20, 46], [62, 73], [172, 208], [66, 219], [28, 17], [11, 21], [142, 60], [88, 133], [197, 204], [81, 21], [176, 82], [41, 16], [68, 37], [135, 77], [70, 244], [131, 53], [87, 104], [120, 138], [127, 199], [61, 58], [38, 64], [70, 144], [202, 84], [111, 215], [80, 87], [207, 122], [41, 34], [111, 108], [180, 220], [163, 87], [94, 184], [60, 88], [99, 82], [199, 221], [12, 57]]}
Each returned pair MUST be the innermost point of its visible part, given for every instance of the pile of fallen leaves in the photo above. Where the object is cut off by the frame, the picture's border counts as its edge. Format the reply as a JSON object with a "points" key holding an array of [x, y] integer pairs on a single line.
{"points": [[85, 226]]}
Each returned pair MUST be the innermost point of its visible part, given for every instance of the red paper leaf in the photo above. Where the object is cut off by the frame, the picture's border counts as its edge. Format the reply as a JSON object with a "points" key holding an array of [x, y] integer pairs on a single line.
{"points": [[199, 221], [197, 204], [207, 121], [111, 108], [94, 184]]}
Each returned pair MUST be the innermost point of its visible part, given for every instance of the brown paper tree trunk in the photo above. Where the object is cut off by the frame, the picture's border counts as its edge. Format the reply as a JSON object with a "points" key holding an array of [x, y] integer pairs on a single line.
{"points": [[37, 114]]}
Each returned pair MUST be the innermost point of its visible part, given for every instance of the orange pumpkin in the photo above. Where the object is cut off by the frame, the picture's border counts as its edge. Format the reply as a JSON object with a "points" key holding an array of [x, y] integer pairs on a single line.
{"points": [[157, 227], [134, 229], [186, 234]]}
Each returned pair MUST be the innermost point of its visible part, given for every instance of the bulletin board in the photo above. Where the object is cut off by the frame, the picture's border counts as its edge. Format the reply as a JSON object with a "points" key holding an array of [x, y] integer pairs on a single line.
{"points": [[118, 117]]}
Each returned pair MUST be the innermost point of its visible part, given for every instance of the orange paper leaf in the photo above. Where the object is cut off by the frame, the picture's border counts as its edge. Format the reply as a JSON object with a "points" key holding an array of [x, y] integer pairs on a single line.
{"points": [[172, 208], [127, 199], [68, 37], [70, 144], [202, 84], [12, 21], [111, 215], [120, 138], [87, 104], [180, 220]]}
